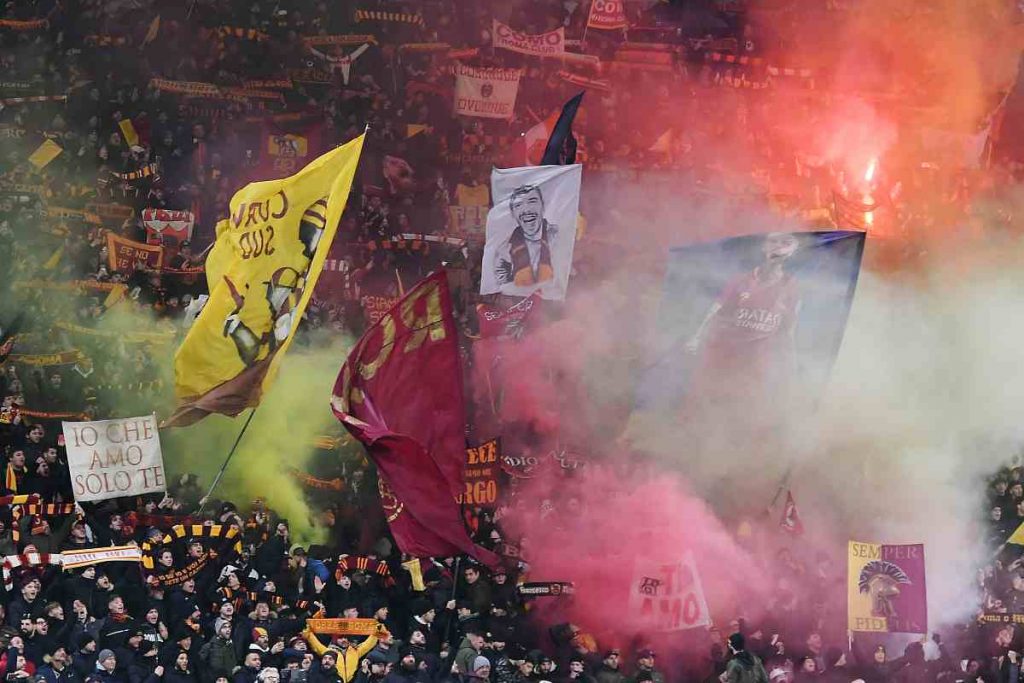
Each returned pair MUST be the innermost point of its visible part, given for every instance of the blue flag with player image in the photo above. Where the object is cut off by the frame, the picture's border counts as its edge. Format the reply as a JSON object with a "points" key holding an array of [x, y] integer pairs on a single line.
{"points": [[750, 326]]}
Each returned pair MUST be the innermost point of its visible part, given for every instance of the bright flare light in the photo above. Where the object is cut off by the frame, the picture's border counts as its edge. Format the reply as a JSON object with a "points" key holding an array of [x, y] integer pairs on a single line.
{"points": [[869, 174]]}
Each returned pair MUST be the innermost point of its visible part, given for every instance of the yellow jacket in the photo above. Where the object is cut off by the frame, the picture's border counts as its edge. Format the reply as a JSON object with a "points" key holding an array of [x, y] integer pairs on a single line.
{"points": [[348, 661]]}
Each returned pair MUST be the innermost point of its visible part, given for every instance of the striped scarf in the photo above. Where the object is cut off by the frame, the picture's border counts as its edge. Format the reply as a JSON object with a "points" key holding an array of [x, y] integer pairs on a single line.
{"points": [[11, 477], [146, 171], [12, 562], [178, 533], [368, 564], [312, 482], [35, 508], [398, 17], [35, 98], [241, 33], [241, 596]]}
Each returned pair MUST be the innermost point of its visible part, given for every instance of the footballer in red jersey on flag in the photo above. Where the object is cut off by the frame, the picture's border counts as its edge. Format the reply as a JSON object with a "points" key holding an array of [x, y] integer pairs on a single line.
{"points": [[750, 326], [747, 336]]}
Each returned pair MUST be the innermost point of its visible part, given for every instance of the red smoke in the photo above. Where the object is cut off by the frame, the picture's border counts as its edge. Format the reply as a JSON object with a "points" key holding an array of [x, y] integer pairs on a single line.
{"points": [[591, 528]]}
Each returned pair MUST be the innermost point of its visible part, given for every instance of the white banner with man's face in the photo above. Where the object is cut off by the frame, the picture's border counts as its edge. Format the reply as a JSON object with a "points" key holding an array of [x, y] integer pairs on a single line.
{"points": [[114, 458], [531, 231], [668, 596], [486, 93]]}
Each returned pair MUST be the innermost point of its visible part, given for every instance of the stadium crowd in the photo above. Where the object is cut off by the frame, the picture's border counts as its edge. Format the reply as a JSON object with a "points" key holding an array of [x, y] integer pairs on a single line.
{"points": [[94, 64]]}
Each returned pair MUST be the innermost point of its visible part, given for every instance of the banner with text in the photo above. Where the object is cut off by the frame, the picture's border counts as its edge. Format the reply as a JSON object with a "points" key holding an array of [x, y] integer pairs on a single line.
{"points": [[486, 93], [114, 458], [124, 254], [481, 474], [547, 44], [886, 588], [668, 597], [607, 14], [375, 307]]}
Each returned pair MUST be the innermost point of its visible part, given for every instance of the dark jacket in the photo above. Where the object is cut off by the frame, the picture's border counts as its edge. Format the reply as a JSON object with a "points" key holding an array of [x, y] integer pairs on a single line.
{"points": [[245, 675], [177, 676], [67, 675], [105, 676], [745, 668], [218, 658], [84, 663], [319, 674], [606, 674]]}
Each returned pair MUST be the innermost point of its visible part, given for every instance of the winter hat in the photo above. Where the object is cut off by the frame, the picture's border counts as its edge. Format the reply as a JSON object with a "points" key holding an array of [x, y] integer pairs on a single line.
{"points": [[84, 639], [420, 606], [479, 663], [737, 642], [259, 632], [104, 655], [377, 657]]}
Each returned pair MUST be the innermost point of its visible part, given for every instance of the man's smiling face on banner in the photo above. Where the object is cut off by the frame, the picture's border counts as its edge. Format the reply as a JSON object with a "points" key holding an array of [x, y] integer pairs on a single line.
{"points": [[527, 209]]}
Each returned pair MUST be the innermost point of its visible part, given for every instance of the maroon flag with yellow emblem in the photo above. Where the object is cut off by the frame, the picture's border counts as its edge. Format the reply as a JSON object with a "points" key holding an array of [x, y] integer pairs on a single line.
{"points": [[400, 394]]}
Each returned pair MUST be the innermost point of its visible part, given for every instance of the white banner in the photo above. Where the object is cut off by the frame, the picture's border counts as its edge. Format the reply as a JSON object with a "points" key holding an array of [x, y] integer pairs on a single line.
{"points": [[119, 553], [550, 44], [114, 458], [486, 93], [531, 231], [668, 597], [164, 226]]}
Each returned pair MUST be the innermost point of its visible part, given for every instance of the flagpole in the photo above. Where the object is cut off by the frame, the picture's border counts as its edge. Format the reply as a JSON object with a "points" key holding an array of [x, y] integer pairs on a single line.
{"points": [[227, 460], [782, 486], [586, 25]]}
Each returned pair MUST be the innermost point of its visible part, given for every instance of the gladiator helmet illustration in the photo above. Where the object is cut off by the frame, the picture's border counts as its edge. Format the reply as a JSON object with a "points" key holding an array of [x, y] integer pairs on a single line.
{"points": [[881, 581]]}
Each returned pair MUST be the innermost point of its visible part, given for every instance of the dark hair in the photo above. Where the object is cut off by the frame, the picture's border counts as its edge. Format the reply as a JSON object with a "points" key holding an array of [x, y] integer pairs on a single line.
{"points": [[522, 191]]}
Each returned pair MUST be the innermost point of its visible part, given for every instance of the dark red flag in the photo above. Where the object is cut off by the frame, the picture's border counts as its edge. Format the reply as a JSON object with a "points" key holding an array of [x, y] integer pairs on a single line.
{"points": [[400, 393], [791, 521], [507, 322]]}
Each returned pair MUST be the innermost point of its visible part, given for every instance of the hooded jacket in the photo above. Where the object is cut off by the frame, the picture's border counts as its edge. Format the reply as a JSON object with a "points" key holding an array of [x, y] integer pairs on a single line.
{"points": [[745, 668]]}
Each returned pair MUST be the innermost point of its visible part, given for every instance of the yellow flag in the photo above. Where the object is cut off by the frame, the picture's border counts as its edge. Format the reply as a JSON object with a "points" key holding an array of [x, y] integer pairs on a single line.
{"points": [[128, 130], [45, 153], [415, 573], [1017, 537], [261, 273]]}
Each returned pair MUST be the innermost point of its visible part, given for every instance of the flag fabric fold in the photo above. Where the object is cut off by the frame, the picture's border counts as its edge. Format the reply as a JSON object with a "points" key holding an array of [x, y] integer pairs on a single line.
{"points": [[400, 393], [261, 274], [561, 147], [791, 522]]}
